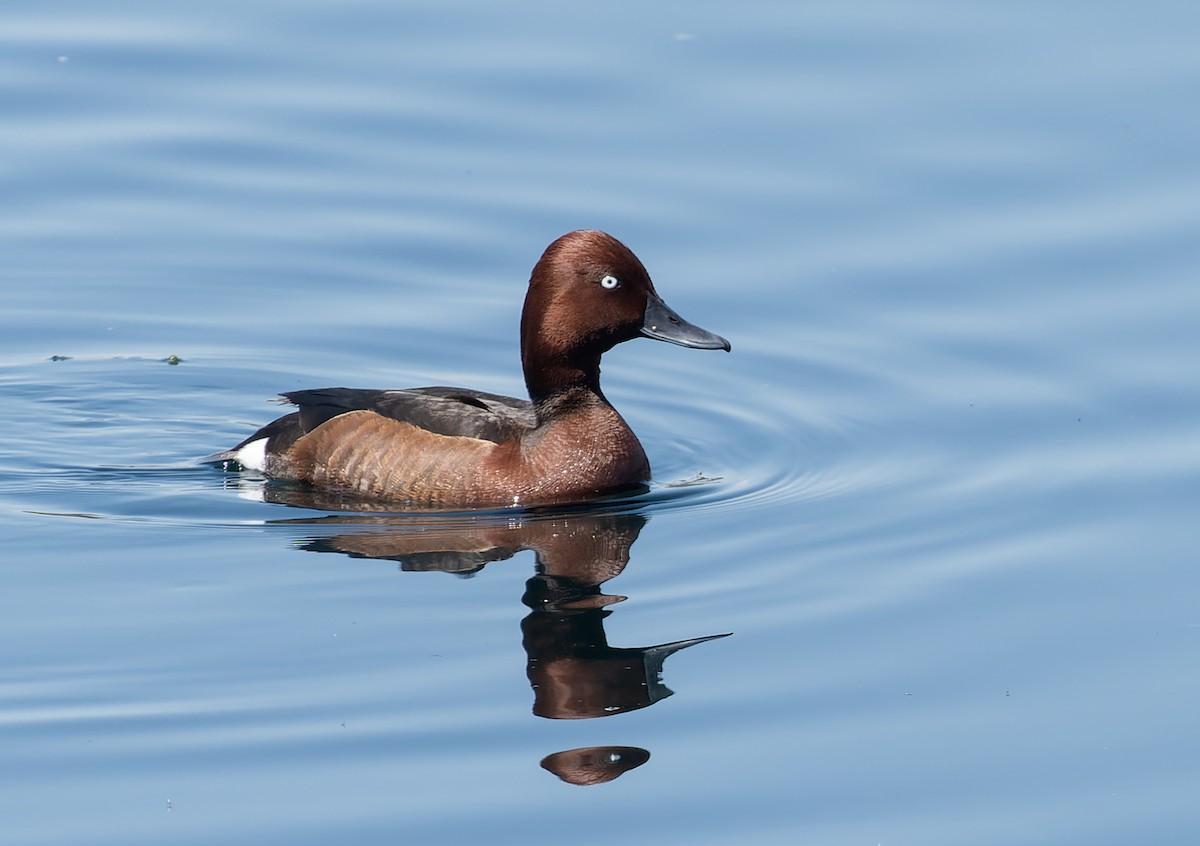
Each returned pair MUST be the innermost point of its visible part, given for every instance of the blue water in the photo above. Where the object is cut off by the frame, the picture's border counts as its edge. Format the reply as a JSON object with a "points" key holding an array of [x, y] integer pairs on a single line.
{"points": [[942, 493]]}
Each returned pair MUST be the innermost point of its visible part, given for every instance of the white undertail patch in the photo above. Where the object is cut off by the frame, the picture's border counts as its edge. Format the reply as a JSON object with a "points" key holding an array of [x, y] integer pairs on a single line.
{"points": [[253, 456]]}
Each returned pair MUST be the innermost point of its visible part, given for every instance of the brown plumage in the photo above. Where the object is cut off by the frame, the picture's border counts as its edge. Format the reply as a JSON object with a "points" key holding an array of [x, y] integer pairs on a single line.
{"points": [[454, 447]]}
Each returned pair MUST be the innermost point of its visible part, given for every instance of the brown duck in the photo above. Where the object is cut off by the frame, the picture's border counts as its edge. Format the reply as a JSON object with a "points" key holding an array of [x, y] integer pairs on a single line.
{"points": [[454, 447]]}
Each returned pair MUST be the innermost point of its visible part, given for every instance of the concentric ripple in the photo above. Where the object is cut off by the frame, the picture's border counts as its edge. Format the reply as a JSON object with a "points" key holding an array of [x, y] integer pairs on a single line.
{"points": [[97, 444]]}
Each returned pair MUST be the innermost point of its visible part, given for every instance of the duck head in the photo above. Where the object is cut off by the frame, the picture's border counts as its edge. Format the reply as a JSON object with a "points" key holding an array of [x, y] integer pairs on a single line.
{"points": [[588, 293]]}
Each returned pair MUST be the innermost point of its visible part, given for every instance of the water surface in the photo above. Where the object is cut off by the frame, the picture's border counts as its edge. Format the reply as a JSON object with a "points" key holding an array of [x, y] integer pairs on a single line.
{"points": [[941, 494]]}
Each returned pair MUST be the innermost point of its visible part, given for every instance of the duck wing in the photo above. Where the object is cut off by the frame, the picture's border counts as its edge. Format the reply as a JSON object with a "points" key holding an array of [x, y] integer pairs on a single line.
{"points": [[442, 410]]}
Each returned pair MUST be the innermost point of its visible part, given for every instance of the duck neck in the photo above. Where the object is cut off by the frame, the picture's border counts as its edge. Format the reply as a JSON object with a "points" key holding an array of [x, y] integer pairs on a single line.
{"points": [[562, 370], [556, 385]]}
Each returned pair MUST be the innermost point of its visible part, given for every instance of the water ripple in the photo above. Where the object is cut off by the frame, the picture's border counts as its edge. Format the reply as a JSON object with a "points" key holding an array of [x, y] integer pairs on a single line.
{"points": [[714, 449]]}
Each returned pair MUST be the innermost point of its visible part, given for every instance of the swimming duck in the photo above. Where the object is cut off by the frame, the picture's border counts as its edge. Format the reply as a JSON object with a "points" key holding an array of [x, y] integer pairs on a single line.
{"points": [[443, 447]]}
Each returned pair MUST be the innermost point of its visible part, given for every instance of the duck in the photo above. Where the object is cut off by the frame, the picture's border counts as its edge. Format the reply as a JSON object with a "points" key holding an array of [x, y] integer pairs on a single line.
{"points": [[452, 448]]}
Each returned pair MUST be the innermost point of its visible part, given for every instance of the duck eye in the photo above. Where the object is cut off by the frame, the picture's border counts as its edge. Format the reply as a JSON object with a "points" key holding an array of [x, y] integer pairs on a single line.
{"points": [[609, 282]]}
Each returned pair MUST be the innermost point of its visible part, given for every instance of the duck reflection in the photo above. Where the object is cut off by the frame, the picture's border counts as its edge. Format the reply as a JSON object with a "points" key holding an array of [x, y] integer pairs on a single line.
{"points": [[574, 672]]}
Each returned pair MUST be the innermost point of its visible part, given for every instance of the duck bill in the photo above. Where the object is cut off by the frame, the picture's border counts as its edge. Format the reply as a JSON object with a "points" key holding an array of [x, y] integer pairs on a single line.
{"points": [[662, 324]]}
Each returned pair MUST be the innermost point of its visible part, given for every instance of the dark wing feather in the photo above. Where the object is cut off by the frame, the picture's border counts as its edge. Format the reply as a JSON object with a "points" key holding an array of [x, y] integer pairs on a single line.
{"points": [[445, 411]]}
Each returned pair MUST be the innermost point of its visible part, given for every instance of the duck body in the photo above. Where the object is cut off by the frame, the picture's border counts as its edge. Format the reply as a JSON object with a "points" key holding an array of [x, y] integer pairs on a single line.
{"points": [[442, 447]]}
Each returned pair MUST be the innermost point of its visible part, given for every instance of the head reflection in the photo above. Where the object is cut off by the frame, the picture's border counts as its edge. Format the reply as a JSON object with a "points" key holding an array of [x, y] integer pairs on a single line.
{"points": [[574, 672], [594, 764]]}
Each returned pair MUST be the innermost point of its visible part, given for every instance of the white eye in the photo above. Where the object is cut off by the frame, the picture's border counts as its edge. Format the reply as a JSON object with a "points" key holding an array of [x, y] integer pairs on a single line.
{"points": [[609, 282]]}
